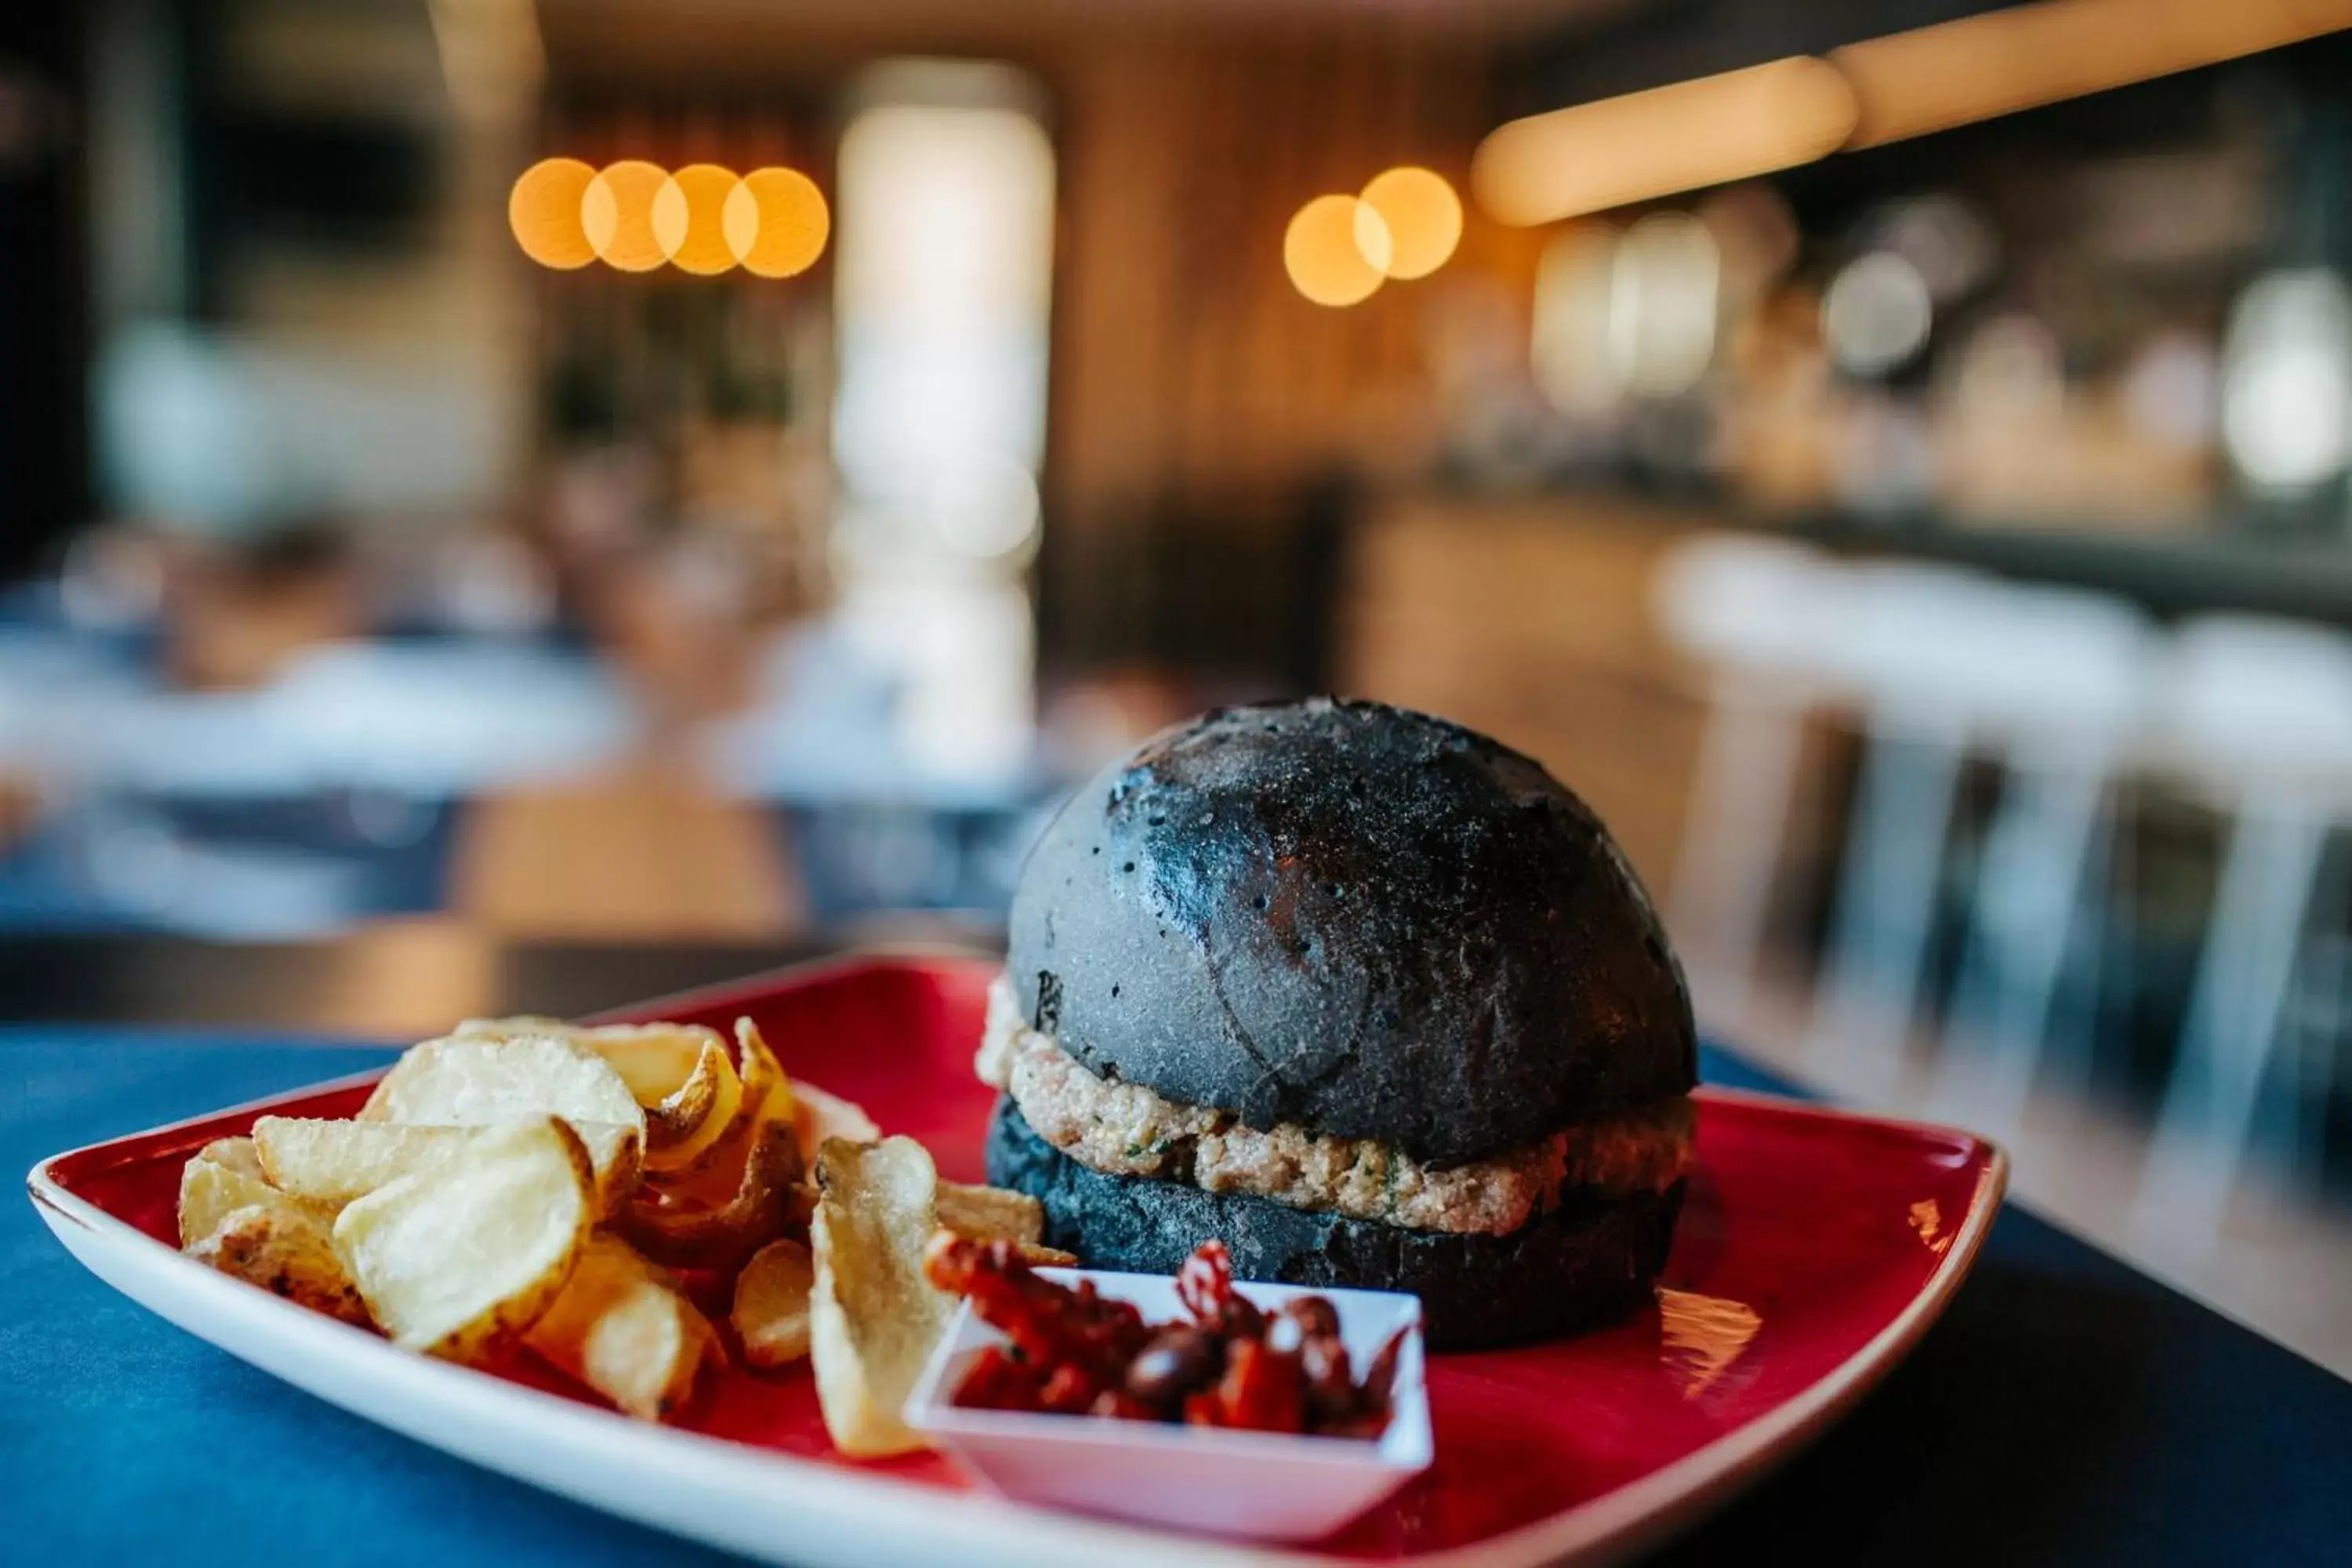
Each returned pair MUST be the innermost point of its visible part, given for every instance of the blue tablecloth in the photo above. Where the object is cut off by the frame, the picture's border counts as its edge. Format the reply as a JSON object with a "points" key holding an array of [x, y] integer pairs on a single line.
{"points": [[2068, 1410]]}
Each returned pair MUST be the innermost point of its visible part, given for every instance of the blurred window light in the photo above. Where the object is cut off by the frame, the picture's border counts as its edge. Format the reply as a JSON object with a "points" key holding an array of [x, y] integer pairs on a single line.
{"points": [[1664, 289], [1570, 351], [988, 513], [617, 212], [1932, 79], [962, 654], [689, 215], [942, 295], [941, 287], [1595, 156], [775, 222], [1336, 250], [1876, 314], [2286, 388], [1421, 216], [543, 210]]}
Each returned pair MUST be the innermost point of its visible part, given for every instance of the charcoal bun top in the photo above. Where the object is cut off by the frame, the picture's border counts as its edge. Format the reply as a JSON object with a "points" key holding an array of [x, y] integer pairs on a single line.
{"points": [[1355, 917]]}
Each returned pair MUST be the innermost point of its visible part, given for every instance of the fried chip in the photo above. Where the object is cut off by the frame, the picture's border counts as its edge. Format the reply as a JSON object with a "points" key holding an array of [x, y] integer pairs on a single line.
{"points": [[672, 1070], [772, 1304], [453, 1257], [818, 1116], [236, 1154], [333, 1163], [475, 1080], [729, 1115], [466, 1081], [621, 1326], [223, 1177], [991, 1214], [713, 1176], [873, 1317], [286, 1252], [679, 1114], [686, 1232]]}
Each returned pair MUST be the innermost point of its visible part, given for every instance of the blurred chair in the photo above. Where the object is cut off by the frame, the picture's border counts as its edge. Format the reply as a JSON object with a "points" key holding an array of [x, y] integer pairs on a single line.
{"points": [[2257, 714], [1757, 611], [2060, 707], [331, 795], [1912, 650], [447, 719], [869, 824]]}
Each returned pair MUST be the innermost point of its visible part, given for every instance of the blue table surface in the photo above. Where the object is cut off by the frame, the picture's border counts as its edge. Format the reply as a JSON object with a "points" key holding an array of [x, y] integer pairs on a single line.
{"points": [[2066, 1410]]}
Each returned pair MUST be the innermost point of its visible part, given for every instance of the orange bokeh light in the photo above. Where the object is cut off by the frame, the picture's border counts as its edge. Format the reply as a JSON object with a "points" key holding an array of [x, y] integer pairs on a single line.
{"points": [[1423, 217], [635, 215], [1336, 250], [777, 222], [690, 216], [617, 212], [543, 210]]}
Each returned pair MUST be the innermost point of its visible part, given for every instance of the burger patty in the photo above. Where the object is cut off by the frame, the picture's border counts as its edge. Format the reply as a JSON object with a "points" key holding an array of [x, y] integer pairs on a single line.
{"points": [[1124, 1129]]}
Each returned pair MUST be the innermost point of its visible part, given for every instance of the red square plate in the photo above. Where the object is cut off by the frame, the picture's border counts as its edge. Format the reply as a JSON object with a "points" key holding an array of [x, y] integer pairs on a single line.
{"points": [[1814, 1250]]}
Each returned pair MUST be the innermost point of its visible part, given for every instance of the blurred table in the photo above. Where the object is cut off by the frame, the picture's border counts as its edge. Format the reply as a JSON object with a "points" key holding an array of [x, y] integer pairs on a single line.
{"points": [[399, 980], [2067, 1409]]}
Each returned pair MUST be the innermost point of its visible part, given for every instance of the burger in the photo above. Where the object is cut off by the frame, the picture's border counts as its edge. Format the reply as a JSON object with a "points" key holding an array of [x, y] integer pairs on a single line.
{"points": [[1368, 996]]}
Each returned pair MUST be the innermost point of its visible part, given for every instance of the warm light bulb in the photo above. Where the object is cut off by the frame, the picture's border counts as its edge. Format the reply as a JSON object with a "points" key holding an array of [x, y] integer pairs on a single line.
{"points": [[690, 218], [776, 222], [543, 210], [617, 212], [1423, 219], [1336, 251]]}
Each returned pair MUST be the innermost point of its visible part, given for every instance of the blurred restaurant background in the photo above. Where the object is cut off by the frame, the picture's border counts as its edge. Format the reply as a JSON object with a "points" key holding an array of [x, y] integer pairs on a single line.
{"points": [[530, 503]]}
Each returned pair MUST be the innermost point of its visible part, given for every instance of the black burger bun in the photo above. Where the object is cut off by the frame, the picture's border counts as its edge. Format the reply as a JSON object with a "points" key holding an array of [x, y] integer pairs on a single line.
{"points": [[1577, 1267], [1363, 919]]}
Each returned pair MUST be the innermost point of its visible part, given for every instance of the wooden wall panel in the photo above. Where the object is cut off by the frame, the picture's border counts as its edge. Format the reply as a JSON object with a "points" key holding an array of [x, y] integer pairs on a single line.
{"points": [[1532, 622], [1190, 378]]}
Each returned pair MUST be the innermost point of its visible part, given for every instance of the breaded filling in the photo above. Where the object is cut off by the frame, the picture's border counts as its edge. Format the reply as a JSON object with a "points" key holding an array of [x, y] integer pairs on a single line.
{"points": [[1124, 1129]]}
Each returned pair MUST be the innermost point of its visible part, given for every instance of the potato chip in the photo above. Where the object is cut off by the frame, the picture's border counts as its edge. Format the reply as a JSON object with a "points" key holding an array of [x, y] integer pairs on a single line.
{"points": [[991, 1214], [713, 1175], [454, 1256], [236, 1154], [512, 1028], [621, 1326], [728, 1115], [680, 1113], [1036, 1255], [873, 1318], [672, 1069], [286, 1252], [689, 1233], [819, 1116], [333, 1163], [479, 1080], [223, 1177], [772, 1304], [471, 1080]]}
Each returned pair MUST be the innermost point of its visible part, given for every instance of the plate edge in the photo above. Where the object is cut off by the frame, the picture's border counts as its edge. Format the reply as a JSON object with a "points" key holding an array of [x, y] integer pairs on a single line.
{"points": [[1064, 1538], [1615, 1523], [1623, 1521]]}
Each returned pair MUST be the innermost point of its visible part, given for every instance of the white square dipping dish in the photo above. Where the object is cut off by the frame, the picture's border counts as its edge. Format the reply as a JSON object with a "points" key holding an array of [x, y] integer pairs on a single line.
{"points": [[1259, 1485]]}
